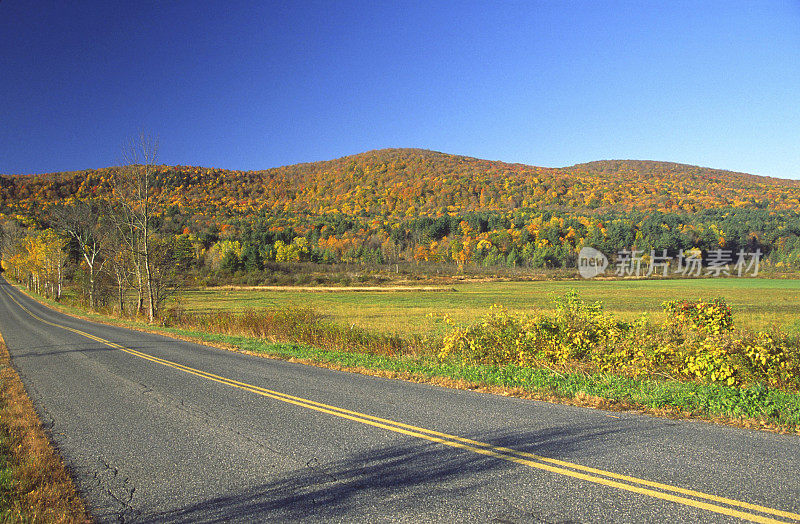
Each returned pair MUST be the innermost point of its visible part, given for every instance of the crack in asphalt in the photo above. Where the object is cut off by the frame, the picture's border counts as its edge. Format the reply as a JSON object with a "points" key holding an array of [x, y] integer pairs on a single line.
{"points": [[314, 465], [119, 488]]}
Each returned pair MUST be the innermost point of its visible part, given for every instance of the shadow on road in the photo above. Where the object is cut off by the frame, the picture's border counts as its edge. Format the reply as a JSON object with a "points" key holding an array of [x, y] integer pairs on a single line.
{"points": [[417, 477], [55, 349]]}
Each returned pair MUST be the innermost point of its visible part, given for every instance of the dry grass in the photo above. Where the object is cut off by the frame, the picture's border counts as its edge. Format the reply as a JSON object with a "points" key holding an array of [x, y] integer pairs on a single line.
{"points": [[296, 325], [37, 486]]}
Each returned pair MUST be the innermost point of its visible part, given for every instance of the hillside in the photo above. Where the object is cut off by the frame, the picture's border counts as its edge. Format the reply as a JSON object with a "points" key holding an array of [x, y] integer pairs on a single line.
{"points": [[404, 182], [413, 205]]}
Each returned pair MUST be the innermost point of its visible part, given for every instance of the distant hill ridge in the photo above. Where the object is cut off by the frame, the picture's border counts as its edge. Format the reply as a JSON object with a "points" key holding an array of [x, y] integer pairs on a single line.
{"points": [[392, 182]]}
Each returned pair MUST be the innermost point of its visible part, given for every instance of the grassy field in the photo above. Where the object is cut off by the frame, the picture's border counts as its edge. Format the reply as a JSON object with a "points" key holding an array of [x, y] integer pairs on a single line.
{"points": [[757, 303], [753, 404]]}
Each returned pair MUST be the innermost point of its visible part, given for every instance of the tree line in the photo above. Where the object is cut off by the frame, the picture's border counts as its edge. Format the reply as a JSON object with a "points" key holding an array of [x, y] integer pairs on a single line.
{"points": [[101, 243], [543, 239], [128, 238]]}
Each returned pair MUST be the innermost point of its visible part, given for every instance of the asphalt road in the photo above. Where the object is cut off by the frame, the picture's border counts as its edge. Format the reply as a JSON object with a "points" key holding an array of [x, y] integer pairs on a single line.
{"points": [[157, 429]]}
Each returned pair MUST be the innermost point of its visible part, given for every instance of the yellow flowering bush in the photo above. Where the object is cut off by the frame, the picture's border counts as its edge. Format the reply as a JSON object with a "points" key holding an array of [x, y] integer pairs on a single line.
{"points": [[503, 338], [713, 316], [697, 342], [773, 357], [634, 349], [491, 341], [712, 359]]}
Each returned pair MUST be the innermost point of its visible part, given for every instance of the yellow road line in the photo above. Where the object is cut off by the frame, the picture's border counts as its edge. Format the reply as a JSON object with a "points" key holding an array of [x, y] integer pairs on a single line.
{"points": [[556, 466]]}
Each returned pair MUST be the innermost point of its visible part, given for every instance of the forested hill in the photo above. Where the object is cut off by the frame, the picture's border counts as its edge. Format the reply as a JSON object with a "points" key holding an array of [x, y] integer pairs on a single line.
{"points": [[414, 182], [413, 205]]}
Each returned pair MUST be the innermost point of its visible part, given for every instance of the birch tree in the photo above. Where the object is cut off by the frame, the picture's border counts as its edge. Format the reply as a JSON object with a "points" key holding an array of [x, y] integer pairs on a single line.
{"points": [[85, 222], [137, 195]]}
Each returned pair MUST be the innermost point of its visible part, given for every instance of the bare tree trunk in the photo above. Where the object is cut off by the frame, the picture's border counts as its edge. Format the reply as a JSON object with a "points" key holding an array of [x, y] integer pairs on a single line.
{"points": [[91, 287], [85, 223], [149, 274], [137, 194], [139, 285], [137, 264], [121, 296]]}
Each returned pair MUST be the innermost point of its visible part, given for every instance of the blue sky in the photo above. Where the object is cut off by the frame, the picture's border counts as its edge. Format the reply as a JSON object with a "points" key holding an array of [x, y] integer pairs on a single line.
{"points": [[253, 85]]}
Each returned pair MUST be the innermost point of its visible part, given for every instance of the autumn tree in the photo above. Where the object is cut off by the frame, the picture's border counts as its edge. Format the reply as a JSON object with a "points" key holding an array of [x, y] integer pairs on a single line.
{"points": [[138, 197], [86, 223], [2, 242], [11, 235], [165, 273], [120, 266], [35, 257], [53, 259]]}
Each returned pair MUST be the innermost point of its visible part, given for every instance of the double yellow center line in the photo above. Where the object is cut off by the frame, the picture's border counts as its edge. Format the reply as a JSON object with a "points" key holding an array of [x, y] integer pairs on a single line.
{"points": [[687, 497]]}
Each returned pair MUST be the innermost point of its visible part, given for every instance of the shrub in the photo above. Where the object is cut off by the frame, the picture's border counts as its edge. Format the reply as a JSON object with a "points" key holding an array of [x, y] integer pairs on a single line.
{"points": [[714, 358], [773, 357], [502, 338], [714, 316], [494, 340], [697, 342]]}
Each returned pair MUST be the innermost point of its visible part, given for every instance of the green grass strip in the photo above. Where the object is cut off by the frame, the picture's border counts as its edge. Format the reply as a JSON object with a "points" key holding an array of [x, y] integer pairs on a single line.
{"points": [[713, 400]]}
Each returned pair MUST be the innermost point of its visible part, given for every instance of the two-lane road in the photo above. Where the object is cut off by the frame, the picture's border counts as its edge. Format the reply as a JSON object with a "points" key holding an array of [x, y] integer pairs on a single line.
{"points": [[158, 429]]}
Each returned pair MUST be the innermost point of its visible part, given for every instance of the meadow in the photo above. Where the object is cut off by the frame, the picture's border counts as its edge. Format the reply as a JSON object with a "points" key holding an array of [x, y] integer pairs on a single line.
{"points": [[677, 364], [757, 303]]}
